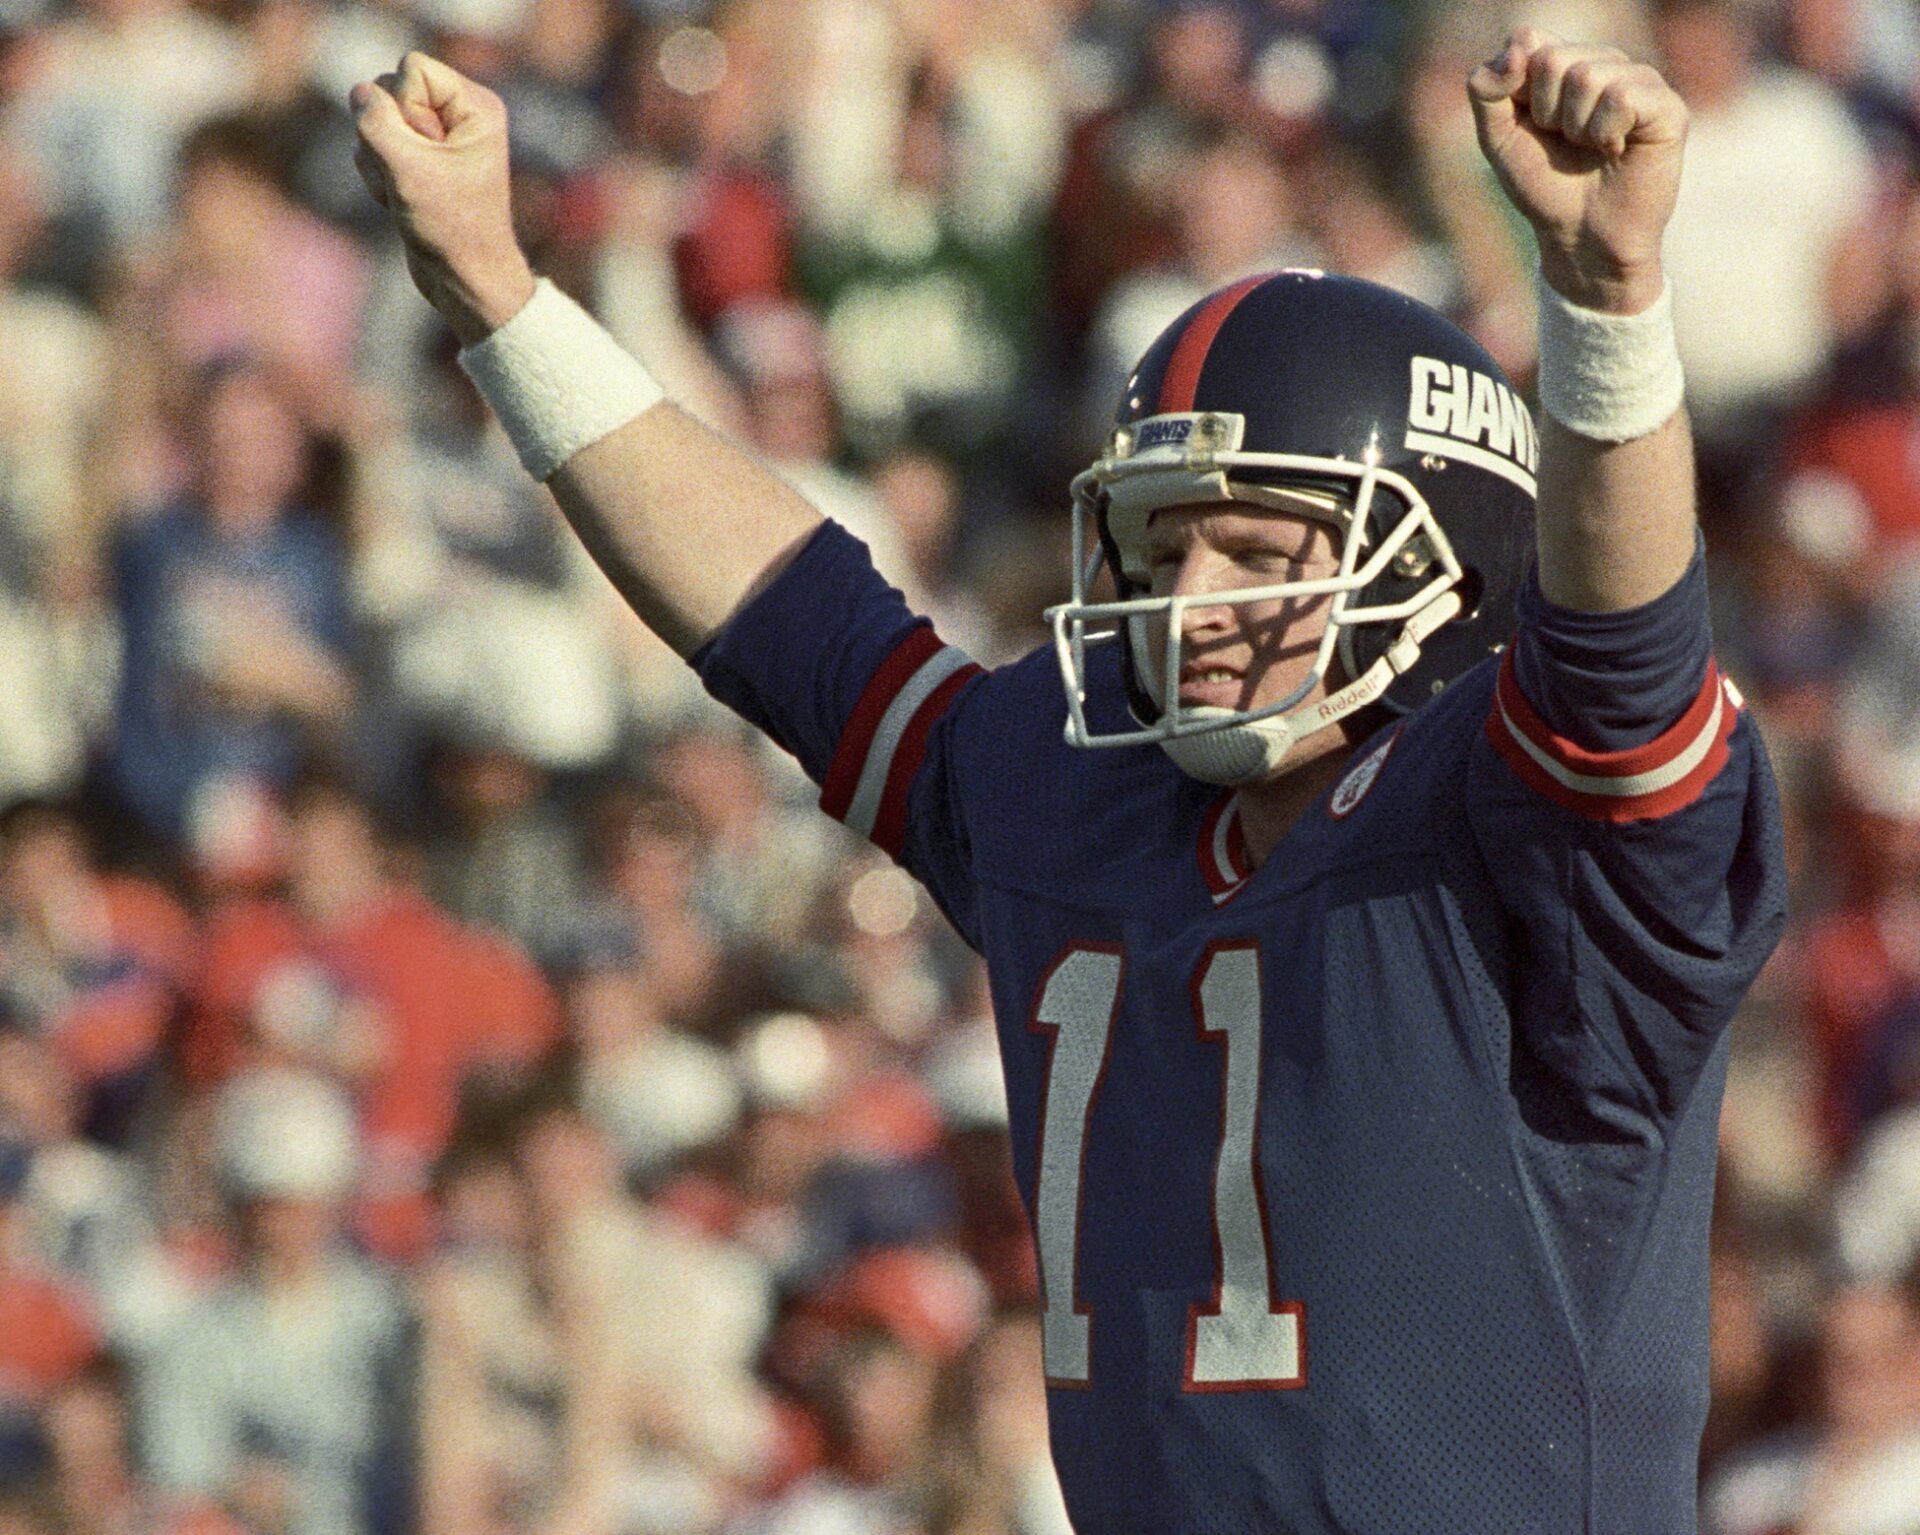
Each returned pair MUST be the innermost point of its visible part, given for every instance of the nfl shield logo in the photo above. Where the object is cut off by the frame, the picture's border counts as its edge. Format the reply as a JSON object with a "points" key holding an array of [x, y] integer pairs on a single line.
{"points": [[1353, 788]]}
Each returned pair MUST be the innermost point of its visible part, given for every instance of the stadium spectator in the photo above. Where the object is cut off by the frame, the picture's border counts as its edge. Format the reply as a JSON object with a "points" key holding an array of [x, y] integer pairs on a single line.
{"points": [[1877, 1204], [79, 1214], [1760, 137], [1857, 1468], [1004, 1482], [92, 963], [704, 105], [877, 1397], [1362, 233], [47, 1331], [1236, 214], [234, 606], [649, 294], [52, 418], [777, 355], [492, 1387], [93, 1482], [648, 867], [655, 1093], [921, 494], [250, 271], [1863, 952], [283, 1391], [356, 976], [659, 1328], [764, 860], [508, 860], [1854, 45], [488, 626], [103, 99], [1118, 193], [920, 178], [1850, 481]]}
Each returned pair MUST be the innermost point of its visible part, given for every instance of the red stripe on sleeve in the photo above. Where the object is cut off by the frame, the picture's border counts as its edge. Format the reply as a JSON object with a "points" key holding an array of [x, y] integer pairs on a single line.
{"points": [[850, 756], [1617, 808], [890, 821], [1657, 753], [1190, 352]]}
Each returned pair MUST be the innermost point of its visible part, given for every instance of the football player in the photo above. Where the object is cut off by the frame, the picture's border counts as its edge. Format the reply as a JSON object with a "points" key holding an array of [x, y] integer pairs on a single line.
{"points": [[1366, 886]]}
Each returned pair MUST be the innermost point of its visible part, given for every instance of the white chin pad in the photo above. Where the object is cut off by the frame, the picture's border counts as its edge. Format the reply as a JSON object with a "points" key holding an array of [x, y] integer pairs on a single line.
{"points": [[1234, 754]]}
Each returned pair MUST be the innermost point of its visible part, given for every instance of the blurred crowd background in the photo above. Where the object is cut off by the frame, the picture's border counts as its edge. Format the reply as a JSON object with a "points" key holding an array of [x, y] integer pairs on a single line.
{"points": [[452, 1080]]}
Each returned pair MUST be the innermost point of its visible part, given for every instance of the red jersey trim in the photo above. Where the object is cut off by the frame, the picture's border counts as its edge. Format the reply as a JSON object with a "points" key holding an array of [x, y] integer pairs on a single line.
{"points": [[885, 737], [890, 821], [1222, 849], [1643, 782]]}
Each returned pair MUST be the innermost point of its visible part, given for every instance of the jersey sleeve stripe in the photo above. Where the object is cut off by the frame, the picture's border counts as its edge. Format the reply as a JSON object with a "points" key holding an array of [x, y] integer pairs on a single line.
{"points": [[885, 736], [890, 821], [856, 737], [1683, 735], [895, 726], [1633, 785]]}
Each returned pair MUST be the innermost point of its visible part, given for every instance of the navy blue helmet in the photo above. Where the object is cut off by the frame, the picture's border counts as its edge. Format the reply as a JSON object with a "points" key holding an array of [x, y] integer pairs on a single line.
{"points": [[1335, 399]]}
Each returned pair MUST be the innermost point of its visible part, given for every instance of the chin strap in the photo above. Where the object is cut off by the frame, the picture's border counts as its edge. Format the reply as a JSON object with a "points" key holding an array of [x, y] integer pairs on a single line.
{"points": [[1251, 749], [1400, 658]]}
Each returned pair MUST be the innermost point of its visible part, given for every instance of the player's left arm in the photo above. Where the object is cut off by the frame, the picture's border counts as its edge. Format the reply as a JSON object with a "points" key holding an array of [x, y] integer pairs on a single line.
{"points": [[1621, 805], [1587, 143]]}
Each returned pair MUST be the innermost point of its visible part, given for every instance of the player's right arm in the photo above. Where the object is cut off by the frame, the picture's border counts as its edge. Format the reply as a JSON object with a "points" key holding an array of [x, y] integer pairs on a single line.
{"points": [[685, 524], [780, 611]]}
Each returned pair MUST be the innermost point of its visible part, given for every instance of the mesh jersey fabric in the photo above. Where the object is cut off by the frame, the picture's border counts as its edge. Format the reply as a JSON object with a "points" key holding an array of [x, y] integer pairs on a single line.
{"points": [[1494, 967]]}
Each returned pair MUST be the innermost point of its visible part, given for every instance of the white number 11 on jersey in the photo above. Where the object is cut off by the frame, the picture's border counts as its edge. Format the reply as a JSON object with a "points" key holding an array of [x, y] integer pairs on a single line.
{"points": [[1244, 1339]]}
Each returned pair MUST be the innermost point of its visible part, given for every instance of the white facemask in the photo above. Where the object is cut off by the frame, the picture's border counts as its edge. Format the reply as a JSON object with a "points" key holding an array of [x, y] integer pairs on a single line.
{"points": [[1188, 460]]}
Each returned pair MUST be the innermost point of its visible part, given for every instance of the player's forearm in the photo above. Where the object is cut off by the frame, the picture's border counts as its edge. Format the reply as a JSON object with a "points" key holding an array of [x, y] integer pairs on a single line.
{"points": [[686, 525], [1616, 520]]}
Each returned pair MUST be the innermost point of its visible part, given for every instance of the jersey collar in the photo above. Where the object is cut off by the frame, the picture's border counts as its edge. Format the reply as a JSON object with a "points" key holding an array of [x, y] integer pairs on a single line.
{"points": [[1222, 849]]}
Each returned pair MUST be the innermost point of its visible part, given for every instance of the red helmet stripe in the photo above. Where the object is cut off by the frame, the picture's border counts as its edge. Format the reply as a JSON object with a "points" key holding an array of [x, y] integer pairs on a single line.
{"points": [[1190, 353]]}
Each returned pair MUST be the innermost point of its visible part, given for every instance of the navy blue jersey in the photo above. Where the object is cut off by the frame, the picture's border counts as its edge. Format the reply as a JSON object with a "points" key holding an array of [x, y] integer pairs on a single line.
{"points": [[1370, 1186]]}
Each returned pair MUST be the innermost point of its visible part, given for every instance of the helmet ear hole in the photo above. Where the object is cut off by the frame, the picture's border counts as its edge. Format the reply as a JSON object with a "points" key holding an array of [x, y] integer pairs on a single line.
{"points": [[1472, 587]]}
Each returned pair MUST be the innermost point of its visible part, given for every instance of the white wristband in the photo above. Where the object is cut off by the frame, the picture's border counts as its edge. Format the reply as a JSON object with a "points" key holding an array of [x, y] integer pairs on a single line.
{"points": [[1607, 376], [557, 380]]}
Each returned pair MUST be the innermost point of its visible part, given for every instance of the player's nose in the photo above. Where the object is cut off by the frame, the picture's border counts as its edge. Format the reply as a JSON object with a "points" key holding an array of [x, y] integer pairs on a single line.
{"points": [[1197, 578]]}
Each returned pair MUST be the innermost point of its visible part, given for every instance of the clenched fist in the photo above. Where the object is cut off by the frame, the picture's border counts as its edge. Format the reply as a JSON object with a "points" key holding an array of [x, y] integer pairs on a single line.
{"points": [[1587, 143], [433, 152]]}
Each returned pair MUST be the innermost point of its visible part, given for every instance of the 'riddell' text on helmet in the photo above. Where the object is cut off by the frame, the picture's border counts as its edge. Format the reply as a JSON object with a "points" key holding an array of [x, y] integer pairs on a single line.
{"points": [[1326, 397]]}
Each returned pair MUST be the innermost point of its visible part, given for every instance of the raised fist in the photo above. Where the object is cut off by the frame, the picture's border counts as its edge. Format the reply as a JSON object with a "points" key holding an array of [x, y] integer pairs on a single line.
{"points": [[1587, 144], [433, 152]]}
